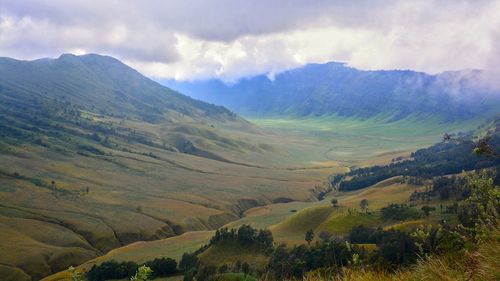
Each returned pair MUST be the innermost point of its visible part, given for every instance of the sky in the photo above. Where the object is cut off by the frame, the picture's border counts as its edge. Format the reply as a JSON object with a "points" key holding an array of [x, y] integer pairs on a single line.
{"points": [[203, 39]]}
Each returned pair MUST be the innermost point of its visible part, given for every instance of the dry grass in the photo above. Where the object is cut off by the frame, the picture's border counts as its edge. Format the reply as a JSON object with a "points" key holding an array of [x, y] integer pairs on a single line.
{"points": [[197, 193]]}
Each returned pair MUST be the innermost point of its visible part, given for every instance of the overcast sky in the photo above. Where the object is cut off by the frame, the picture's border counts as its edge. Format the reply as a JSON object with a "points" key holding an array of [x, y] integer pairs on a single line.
{"points": [[198, 39]]}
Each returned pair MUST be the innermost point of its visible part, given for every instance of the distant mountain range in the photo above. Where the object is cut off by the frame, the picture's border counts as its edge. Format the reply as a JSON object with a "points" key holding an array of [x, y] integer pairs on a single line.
{"points": [[336, 89]]}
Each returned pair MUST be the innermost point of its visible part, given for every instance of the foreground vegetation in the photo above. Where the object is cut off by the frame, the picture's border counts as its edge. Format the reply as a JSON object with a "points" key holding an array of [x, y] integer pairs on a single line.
{"points": [[461, 249]]}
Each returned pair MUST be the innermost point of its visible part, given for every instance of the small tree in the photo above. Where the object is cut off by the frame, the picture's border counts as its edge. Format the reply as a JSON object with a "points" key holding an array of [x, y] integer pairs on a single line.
{"points": [[246, 268], [188, 261], [427, 210], [206, 272], [481, 210], [364, 205], [223, 268], [309, 236], [237, 266], [335, 202], [142, 274]]}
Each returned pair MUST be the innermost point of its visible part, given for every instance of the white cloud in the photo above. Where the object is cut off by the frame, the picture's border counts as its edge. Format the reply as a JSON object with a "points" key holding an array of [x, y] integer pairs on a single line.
{"points": [[231, 39]]}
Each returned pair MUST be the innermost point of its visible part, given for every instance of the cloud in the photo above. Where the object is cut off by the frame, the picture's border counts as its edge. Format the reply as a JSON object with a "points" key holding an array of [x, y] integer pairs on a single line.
{"points": [[227, 39]]}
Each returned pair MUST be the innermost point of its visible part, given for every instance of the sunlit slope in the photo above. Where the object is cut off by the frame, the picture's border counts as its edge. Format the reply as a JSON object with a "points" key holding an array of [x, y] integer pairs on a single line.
{"points": [[287, 221]]}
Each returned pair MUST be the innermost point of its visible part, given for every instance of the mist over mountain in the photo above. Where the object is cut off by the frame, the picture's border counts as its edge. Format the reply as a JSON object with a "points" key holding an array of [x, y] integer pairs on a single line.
{"points": [[336, 89]]}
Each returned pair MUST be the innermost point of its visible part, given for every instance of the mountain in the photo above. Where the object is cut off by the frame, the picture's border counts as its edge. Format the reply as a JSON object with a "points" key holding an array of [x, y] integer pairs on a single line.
{"points": [[94, 156], [336, 89], [103, 84]]}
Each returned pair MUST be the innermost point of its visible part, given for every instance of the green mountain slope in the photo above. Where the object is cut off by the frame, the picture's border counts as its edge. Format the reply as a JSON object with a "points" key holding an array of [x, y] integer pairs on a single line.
{"points": [[336, 89], [94, 156], [102, 84]]}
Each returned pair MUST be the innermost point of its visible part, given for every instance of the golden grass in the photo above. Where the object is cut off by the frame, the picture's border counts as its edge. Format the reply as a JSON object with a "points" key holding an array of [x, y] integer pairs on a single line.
{"points": [[381, 194], [342, 222], [143, 251], [292, 230], [199, 193]]}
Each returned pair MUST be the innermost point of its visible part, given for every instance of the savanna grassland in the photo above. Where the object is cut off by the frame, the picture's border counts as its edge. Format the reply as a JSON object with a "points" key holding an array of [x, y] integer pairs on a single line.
{"points": [[99, 163], [288, 223], [136, 196]]}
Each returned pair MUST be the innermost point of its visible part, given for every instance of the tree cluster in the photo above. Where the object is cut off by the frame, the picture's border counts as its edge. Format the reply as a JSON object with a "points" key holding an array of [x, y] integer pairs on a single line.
{"points": [[438, 160], [118, 270]]}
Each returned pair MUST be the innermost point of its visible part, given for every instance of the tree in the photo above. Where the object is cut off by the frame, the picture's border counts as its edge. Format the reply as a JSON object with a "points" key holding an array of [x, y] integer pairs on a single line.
{"points": [[265, 238], [309, 236], [246, 234], [361, 234], [237, 266], [206, 273], [189, 274], [364, 205], [143, 273], [162, 267], [188, 261], [481, 210], [335, 202], [223, 268], [246, 268], [427, 210]]}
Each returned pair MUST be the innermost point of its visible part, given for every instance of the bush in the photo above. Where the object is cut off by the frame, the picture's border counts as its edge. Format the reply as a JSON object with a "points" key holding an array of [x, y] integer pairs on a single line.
{"points": [[361, 234], [112, 270], [162, 267], [399, 212]]}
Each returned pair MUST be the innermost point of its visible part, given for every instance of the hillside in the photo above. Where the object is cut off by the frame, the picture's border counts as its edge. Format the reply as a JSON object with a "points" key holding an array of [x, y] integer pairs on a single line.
{"points": [[450, 156], [395, 205], [95, 156], [336, 89], [101, 84]]}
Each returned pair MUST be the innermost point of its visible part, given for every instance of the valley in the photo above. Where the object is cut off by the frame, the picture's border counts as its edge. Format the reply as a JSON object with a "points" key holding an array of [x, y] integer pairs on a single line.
{"points": [[249, 140], [100, 163], [287, 221]]}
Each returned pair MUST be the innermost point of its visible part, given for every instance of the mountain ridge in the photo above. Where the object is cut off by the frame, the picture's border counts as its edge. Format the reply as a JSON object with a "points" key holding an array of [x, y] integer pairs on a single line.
{"points": [[93, 156], [336, 89], [88, 73]]}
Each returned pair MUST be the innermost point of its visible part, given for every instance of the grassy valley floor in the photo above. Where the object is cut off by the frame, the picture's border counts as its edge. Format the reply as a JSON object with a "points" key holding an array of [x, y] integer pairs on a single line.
{"points": [[98, 203]]}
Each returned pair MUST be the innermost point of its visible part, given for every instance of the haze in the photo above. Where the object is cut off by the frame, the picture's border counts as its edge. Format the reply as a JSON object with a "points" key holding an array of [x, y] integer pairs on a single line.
{"points": [[188, 40]]}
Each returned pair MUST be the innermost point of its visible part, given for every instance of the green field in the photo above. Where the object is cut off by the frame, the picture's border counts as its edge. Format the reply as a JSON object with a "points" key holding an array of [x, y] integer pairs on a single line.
{"points": [[353, 141], [134, 196]]}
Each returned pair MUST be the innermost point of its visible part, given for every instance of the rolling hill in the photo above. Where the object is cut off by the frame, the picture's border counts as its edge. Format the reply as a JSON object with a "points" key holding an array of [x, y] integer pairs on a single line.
{"points": [[339, 90], [94, 156]]}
